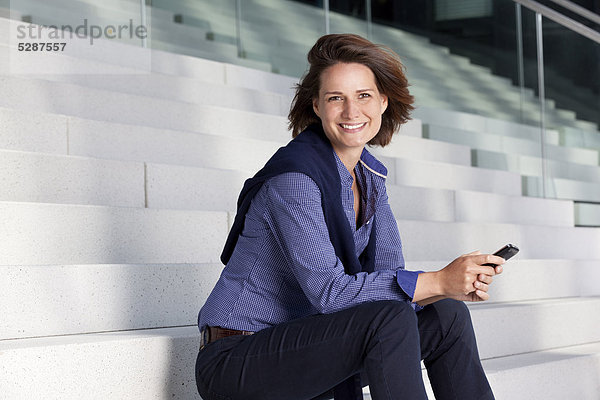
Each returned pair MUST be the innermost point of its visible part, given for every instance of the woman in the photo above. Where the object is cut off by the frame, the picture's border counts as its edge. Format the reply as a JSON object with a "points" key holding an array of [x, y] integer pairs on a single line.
{"points": [[314, 299]]}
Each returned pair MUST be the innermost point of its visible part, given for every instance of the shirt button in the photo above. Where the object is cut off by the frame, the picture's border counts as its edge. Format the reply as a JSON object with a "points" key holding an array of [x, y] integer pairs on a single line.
{"points": [[367, 223]]}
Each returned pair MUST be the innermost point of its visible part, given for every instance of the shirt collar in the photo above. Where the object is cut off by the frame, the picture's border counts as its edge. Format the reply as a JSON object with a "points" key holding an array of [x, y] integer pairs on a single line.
{"points": [[367, 161]]}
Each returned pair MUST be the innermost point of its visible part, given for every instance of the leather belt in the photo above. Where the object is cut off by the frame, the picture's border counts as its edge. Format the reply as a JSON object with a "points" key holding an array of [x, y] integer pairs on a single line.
{"points": [[214, 333]]}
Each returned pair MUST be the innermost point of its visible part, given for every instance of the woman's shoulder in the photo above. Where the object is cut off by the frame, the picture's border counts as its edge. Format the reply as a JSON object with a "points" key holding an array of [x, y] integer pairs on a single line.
{"points": [[292, 183], [291, 188]]}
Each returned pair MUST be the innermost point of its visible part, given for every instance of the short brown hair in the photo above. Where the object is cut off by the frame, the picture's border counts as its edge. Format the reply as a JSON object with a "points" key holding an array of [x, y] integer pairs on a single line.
{"points": [[347, 48]]}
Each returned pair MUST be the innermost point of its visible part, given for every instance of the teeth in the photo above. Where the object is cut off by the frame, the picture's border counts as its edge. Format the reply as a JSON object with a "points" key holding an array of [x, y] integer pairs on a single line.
{"points": [[347, 126]]}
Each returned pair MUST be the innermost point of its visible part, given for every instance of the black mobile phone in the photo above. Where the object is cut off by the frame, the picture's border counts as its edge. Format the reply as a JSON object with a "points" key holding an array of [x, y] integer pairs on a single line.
{"points": [[506, 252]]}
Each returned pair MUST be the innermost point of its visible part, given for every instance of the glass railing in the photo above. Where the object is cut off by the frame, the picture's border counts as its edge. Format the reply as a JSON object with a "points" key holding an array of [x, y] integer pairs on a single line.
{"points": [[465, 60]]}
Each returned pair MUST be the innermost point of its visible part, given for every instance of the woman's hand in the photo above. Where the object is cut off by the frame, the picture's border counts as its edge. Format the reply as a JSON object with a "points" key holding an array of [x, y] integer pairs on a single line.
{"points": [[467, 279], [464, 279]]}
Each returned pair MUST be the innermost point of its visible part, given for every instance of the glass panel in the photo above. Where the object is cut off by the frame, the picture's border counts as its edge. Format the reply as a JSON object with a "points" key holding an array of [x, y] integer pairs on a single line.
{"points": [[572, 85], [278, 34], [200, 28], [348, 17]]}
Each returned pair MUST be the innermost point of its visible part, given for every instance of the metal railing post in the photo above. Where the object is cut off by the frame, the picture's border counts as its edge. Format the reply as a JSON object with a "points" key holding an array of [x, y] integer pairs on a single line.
{"points": [[520, 62], [326, 8], [238, 28], [369, 19], [542, 95]]}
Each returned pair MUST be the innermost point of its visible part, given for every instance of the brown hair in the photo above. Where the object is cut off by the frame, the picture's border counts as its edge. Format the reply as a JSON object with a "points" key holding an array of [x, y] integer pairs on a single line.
{"points": [[347, 48]]}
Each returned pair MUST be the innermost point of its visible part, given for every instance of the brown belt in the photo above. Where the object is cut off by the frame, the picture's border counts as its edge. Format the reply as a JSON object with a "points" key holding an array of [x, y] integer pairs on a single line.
{"points": [[213, 333]]}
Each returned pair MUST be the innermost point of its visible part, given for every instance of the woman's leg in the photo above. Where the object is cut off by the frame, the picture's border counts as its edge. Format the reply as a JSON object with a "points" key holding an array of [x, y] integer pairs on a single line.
{"points": [[449, 350], [304, 358]]}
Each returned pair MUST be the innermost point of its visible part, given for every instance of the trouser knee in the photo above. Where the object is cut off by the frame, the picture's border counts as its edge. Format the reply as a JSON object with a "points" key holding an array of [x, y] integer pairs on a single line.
{"points": [[395, 316], [455, 318]]}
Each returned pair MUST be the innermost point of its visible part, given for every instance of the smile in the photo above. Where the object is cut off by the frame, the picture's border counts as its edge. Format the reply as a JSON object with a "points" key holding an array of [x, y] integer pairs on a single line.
{"points": [[353, 127]]}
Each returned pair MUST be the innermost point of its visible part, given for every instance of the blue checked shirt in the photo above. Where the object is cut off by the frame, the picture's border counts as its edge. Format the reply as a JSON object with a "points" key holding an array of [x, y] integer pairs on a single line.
{"points": [[284, 265]]}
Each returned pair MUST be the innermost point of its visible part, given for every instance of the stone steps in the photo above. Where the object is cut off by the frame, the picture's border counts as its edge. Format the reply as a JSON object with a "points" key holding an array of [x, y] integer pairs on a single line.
{"points": [[38, 234], [158, 363], [120, 297]]}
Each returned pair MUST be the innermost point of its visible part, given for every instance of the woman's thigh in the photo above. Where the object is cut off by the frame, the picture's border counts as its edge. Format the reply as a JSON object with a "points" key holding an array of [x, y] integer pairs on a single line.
{"points": [[299, 359]]}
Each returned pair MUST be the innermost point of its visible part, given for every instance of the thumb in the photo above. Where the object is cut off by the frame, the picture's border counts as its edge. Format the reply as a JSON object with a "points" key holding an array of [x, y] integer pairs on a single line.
{"points": [[473, 253]]}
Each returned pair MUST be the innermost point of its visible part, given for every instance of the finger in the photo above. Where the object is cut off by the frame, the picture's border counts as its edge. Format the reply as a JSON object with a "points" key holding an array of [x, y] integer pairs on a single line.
{"points": [[473, 253], [482, 270], [489, 259], [482, 295], [499, 269], [485, 278], [481, 286]]}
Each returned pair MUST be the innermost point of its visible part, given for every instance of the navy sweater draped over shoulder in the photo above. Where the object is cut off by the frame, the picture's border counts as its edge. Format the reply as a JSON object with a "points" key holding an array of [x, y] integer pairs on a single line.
{"points": [[309, 153]]}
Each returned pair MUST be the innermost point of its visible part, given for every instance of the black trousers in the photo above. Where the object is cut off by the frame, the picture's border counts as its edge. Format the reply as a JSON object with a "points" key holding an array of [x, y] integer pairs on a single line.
{"points": [[384, 341]]}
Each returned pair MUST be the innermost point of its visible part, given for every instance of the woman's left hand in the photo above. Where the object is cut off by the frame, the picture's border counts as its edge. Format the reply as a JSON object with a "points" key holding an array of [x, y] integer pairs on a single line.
{"points": [[482, 285]]}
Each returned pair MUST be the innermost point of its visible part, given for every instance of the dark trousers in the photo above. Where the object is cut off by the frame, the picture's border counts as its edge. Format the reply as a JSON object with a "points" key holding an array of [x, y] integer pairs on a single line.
{"points": [[384, 341]]}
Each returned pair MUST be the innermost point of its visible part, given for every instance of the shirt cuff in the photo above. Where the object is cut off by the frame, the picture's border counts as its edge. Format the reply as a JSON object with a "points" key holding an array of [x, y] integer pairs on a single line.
{"points": [[407, 280]]}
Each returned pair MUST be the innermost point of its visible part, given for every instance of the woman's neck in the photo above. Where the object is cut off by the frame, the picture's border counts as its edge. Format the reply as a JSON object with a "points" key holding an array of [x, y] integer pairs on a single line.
{"points": [[349, 157]]}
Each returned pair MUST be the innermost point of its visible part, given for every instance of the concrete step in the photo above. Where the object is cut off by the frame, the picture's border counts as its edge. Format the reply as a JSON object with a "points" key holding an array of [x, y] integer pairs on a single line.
{"points": [[141, 364], [511, 145], [576, 137], [183, 89], [33, 131], [189, 188], [432, 204], [568, 372], [37, 234], [428, 240], [48, 300], [58, 134], [67, 179], [480, 123], [104, 105], [417, 148], [110, 140], [48, 178], [158, 363], [453, 177], [536, 166], [42, 234], [181, 187], [560, 188]]}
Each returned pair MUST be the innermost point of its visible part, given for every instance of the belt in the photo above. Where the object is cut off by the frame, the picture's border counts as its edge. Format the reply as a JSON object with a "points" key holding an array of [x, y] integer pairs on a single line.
{"points": [[214, 333]]}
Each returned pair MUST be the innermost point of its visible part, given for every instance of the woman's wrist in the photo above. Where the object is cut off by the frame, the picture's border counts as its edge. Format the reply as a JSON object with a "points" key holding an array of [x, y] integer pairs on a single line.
{"points": [[428, 287]]}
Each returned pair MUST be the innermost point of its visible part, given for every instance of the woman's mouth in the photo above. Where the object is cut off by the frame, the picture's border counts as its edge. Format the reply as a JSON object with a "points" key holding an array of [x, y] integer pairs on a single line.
{"points": [[352, 127]]}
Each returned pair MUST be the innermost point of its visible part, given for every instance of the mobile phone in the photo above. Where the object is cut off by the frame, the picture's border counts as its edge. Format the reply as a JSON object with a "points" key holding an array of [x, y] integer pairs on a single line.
{"points": [[506, 252]]}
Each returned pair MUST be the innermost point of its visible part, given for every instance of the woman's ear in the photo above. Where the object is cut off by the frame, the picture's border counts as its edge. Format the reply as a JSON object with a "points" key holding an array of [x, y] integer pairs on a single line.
{"points": [[384, 103], [315, 103]]}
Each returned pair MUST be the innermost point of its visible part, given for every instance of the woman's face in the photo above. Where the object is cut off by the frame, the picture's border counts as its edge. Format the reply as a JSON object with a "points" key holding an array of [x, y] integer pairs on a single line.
{"points": [[350, 107]]}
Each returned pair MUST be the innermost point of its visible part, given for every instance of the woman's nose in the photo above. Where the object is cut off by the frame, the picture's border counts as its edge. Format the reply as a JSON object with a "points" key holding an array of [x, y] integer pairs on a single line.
{"points": [[350, 110]]}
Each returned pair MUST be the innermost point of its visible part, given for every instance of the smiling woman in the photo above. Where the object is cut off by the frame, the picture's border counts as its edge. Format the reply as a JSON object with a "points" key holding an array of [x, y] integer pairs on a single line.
{"points": [[384, 64], [314, 300], [350, 108]]}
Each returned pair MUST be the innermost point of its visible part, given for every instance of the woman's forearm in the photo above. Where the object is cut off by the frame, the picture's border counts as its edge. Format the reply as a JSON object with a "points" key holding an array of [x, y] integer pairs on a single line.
{"points": [[428, 289]]}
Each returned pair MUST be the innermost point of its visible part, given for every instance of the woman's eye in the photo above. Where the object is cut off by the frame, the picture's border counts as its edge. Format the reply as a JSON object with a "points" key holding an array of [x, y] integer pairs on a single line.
{"points": [[364, 95], [334, 98]]}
